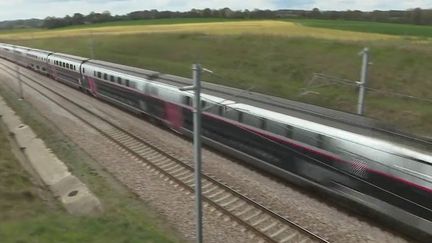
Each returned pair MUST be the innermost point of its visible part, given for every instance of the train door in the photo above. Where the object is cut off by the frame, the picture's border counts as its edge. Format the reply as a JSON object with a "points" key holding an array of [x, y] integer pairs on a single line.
{"points": [[91, 86], [52, 69], [174, 116]]}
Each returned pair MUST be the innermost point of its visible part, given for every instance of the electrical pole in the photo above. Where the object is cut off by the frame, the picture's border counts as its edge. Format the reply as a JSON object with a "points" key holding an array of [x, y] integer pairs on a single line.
{"points": [[363, 81], [196, 72]]}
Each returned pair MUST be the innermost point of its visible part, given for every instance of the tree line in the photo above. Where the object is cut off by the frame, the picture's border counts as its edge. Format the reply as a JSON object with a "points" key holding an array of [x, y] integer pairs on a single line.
{"points": [[412, 16]]}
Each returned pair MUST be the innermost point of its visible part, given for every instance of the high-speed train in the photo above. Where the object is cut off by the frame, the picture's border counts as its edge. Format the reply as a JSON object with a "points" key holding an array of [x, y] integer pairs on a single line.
{"points": [[390, 179]]}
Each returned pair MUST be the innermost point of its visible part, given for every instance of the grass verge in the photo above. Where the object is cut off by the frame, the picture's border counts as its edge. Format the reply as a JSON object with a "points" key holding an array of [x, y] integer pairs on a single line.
{"points": [[27, 217]]}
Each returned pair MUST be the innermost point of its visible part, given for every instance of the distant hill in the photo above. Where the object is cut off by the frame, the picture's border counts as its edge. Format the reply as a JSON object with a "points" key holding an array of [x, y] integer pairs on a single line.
{"points": [[21, 24]]}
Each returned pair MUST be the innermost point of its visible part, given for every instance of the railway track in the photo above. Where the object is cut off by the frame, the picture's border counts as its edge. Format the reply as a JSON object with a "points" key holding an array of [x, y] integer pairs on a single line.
{"points": [[265, 224]]}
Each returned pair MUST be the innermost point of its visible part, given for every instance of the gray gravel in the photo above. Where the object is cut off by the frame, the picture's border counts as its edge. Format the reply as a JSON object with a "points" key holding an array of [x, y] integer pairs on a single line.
{"points": [[306, 210]]}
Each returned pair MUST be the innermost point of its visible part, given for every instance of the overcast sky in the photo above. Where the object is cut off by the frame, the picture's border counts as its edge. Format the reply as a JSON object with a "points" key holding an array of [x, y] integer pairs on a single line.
{"points": [[23, 9]]}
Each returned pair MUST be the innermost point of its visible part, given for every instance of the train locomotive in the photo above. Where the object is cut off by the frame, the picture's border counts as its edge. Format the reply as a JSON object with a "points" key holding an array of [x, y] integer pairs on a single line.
{"points": [[387, 178]]}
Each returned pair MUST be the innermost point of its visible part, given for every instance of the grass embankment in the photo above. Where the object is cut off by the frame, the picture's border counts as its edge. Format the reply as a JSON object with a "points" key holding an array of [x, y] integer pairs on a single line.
{"points": [[369, 27], [277, 58], [28, 216]]}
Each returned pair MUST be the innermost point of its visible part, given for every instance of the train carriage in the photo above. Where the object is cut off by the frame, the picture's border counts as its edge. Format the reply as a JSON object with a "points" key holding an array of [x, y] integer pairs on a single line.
{"points": [[131, 91], [6, 51], [66, 68], [38, 60], [19, 56]]}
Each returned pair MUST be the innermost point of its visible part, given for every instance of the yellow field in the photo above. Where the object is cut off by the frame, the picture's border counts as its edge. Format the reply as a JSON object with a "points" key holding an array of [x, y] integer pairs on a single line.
{"points": [[266, 27]]}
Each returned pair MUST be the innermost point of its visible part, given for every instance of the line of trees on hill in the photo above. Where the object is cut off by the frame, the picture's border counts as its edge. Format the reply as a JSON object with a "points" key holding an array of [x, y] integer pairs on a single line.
{"points": [[412, 16]]}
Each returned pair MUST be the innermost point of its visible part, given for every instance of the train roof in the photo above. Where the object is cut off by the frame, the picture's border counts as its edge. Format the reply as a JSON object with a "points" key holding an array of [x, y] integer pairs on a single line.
{"points": [[333, 132], [69, 57], [134, 71], [40, 51]]}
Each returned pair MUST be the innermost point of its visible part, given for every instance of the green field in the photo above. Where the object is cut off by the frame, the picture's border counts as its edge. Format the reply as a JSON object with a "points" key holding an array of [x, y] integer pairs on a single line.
{"points": [[274, 58], [370, 27], [30, 214]]}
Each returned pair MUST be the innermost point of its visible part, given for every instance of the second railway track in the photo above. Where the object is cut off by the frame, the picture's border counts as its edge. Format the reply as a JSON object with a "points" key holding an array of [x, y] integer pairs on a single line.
{"points": [[265, 224]]}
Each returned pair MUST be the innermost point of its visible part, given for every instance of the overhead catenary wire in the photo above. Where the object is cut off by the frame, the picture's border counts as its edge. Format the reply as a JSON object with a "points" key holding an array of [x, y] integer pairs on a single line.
{"points": [[337, 80]]}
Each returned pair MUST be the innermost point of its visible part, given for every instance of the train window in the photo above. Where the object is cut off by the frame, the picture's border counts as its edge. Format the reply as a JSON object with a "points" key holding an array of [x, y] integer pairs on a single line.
{"points": [[275, 127], [132, 85], [213, 108], [63, 64], [232, 114], [105, 76], [83, 70], [112, 78], [251, 120], [221, 110], [99, 74], [306, 136], [289, 131], [119, 80], [240, 119], [263, 123], [154, 90], [67, 65], [187, 100], [127, 82]]}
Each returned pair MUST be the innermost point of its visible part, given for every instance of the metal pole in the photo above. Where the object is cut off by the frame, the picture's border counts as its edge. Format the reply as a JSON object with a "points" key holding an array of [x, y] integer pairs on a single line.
{"points": [[196, 72], [363, 81], [197, 149]]}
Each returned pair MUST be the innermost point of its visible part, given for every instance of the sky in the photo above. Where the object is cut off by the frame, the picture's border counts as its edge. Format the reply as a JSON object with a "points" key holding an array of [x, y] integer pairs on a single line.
{"points": [[24, 9]]}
